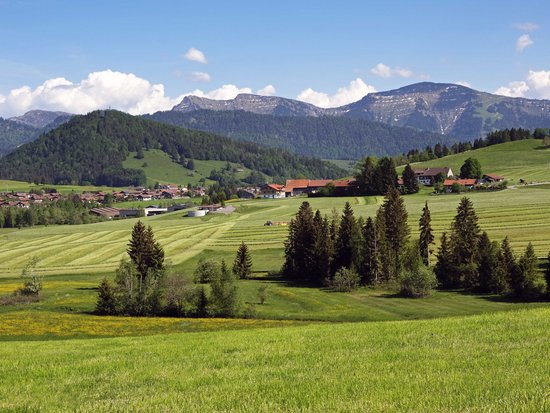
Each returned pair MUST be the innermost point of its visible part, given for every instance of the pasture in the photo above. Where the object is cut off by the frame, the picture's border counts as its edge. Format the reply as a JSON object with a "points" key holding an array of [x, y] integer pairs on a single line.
{"points": [[527, 160], [486, 363]]}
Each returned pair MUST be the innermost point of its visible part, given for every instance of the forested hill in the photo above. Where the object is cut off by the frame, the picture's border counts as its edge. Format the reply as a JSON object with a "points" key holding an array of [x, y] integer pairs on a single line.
{"points": [[91, 149], [328, 137]]}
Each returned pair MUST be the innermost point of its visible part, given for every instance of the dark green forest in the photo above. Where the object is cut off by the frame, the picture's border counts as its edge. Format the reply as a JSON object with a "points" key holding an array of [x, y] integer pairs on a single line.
{"points": [[90, 149], [327, 137]]}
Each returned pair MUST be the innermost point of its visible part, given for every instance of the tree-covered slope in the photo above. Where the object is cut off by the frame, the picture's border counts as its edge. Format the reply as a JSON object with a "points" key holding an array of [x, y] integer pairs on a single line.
{"points": [[91, 149], [328, 137]]}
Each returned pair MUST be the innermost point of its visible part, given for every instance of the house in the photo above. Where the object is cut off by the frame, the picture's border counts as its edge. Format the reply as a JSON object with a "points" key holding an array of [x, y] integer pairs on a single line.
{"points": [[426, 176], [490, 178], [272, 191], [467, 183], [296, 187], [106, 212]]}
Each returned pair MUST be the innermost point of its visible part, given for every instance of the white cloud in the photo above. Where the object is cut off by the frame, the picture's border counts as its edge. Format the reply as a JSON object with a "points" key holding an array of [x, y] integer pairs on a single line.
{"points": [[225, 92], [200, 77], [356, 90], [464, 83], [523, 41], [515, 89], [527, 26], [123, 91], [536, 85], [383, 70], [195, 55], [268, 90]]}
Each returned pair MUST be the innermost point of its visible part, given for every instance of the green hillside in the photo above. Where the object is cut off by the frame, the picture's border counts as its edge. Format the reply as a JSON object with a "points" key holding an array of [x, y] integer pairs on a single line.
{"points": [[495, 362], [159, 167], [91, 149], [526, 159]]}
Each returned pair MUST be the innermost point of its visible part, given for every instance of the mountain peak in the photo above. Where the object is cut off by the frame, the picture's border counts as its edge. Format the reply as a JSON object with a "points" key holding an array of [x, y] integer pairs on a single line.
{"points": [[39, 118]]}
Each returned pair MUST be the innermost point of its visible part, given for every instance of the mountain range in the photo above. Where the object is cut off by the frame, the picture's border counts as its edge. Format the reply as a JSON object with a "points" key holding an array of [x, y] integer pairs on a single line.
{"points": [[383, 123]]}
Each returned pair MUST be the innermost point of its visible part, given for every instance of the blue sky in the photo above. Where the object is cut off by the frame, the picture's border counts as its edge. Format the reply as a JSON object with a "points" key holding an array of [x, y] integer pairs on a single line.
{"points": [[79, 55]]}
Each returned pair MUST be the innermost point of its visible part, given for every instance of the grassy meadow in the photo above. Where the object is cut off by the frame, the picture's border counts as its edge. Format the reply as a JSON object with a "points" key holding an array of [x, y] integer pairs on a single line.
{"points": [[527, 160], [486, 363], [308, 349]]}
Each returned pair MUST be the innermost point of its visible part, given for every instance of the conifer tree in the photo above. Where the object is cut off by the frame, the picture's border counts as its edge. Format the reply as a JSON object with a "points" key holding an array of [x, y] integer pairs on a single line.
{"points": [[365, 176], [371, 268], [487, 258], [323, 250], [223, 295], [385, 176], [508, 261], [345, 249], [146, 253], [106, 300], [426, 235], [299, 245], [202, 302], [383, 249], [524, 282], [409, 180], [444, 266], [397, 230], [464, 239], [242, 266]]}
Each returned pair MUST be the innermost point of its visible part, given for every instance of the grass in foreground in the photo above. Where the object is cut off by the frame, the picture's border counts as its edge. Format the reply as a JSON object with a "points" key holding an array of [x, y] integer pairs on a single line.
{"points": [[497, 362]]}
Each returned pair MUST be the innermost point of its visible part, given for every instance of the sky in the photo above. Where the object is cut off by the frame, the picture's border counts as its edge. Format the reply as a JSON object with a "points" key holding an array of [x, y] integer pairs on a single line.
{"points": [[143, 56]]}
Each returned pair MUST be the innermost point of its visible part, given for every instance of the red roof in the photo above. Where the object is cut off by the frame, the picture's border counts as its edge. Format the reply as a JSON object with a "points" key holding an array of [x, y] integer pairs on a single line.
{"points": [[495, 177], [296, 183], [318, 182], [275, 187], [463, 182]]}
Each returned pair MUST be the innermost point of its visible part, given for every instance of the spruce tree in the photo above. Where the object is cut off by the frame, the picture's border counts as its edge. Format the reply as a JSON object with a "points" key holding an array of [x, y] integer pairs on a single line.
{"points": [[383, 248], [464, 240], [146, 253], [365, 176], [426, 235], [371, 268], [444, 267], [397, 230], [106, 300], [524, 283], [242, 266], [487, 260], [409, 180], [385, 176], [299, 246], [323, 249], [223, 295], [508, 261], [344, 253]]}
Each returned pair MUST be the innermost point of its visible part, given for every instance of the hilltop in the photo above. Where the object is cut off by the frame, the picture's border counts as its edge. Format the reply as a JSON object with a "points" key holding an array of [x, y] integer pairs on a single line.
{"points": [[525, 159], [92, 148]]}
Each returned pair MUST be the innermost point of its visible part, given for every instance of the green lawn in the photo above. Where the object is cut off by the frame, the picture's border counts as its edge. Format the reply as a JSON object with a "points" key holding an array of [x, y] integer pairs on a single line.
{"points": [[18, 186], [526, 160], [161, 168], [486, 363]]}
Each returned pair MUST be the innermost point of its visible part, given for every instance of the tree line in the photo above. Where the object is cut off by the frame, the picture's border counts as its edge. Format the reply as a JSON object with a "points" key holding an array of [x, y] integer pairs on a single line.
{"points": [[144, 286], [344, 252]]}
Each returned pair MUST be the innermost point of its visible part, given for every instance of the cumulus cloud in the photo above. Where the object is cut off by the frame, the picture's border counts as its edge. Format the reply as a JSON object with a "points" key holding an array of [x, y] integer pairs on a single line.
{"points": [[268, 90], [225, 92], [200, 77], [356, 90], [123, 91], [195, 55], [523, 41], [527, 26], [386, 71], [535, 85]]}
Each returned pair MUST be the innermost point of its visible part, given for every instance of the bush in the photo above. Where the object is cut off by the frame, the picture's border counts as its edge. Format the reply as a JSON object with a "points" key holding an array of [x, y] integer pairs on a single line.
{"points": [[418, 282], [206, 271], [345, 280], [250, 311], [106, 299], [32, 280]]}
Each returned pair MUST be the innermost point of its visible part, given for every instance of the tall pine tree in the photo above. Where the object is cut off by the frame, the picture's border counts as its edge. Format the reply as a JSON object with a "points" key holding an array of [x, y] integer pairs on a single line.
{"points": [[397, 230], [242, 266], [426, 235], [444, 267], [145, 253], [323, 249], [299, 246], [409, 180], [345, 249], [371, 268]]}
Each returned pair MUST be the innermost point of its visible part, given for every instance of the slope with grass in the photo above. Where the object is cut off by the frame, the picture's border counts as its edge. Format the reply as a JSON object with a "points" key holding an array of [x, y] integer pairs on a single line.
{"points": [[496, 362], [527, 159]]}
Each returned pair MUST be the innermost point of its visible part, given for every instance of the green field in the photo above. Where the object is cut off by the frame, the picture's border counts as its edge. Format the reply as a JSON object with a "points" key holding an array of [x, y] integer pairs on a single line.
{"points": [[161, 168], [526, 160], [17, 186], [487, 363], [308, 350]]}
